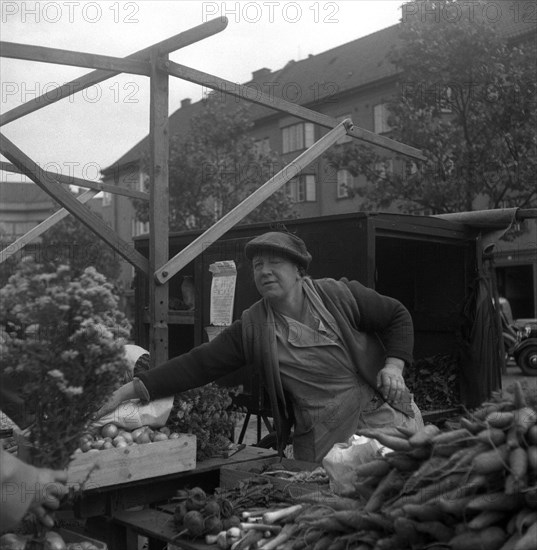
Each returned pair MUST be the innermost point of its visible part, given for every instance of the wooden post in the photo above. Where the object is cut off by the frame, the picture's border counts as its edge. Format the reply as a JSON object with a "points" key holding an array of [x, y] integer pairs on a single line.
{"points": [[158, 210]]}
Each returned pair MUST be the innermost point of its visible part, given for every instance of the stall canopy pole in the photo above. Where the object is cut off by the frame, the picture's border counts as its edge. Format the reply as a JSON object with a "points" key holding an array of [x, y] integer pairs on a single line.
{"points": [[159, 209]]}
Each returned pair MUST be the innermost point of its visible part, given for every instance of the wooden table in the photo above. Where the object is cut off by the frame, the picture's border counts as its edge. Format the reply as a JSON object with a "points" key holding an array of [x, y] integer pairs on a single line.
{"points": [[107, 510]]}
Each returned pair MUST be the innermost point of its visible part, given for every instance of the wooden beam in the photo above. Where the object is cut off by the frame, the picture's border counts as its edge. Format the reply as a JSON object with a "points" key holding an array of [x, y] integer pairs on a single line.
{"points": [[80, 182], [158, 210], [68, 201], [273, 102], [240, 211], [42, 54], [40, 228], [181, 40]]}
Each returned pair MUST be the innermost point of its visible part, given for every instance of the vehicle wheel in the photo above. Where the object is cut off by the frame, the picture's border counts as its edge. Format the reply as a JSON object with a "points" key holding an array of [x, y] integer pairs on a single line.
{"points": [[527, 361]]}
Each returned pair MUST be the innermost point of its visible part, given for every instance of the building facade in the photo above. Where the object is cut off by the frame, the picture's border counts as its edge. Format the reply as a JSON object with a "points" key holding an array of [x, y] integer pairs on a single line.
{"points": [[354, 80]]}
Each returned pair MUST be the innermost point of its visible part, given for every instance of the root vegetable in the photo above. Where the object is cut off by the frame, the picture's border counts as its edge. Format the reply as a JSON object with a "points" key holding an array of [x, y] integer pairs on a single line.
{"points": [[390, 484], [491, 538], [213, 525], [527, 541], [449, 437], [518, 462], [485, 519], [532, 458], [525, 418], [495, 501], [283, 536], [435, 529], [194, 524], [500, 419], [284, 513], [492, 436], [491, 461], [424, 436]]}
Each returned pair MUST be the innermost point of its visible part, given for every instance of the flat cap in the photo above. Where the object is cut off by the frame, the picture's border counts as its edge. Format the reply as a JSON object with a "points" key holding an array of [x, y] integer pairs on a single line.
{"points": [[282, 243]]}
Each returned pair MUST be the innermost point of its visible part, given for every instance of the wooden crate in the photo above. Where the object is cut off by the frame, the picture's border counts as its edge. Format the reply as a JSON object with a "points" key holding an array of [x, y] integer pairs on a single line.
{"points": [[232, 475], [126, 464]]}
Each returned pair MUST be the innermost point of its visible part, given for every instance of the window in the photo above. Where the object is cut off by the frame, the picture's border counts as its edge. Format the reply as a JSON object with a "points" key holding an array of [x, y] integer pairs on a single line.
{"points": [[344, 183], [380, 118], [302, 189], [297, 137], [107, 198], [139, 228], [411, 168], [347, 138]]}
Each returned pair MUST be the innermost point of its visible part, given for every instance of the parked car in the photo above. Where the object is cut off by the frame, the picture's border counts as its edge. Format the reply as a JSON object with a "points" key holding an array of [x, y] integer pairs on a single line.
{"points": [[520, 341]]}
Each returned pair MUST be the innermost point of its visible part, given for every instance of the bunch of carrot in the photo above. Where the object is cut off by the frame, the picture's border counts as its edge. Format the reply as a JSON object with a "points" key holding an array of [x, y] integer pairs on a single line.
{"points": [[472, 486]]}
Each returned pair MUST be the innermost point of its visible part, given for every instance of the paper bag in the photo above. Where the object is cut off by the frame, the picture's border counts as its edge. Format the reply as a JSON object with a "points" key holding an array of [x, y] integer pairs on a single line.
{"points": [[342, 458]]}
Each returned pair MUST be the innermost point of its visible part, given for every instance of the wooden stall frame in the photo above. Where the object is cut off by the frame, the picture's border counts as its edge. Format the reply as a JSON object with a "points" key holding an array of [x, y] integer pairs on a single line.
{"points": [[154, 63]]}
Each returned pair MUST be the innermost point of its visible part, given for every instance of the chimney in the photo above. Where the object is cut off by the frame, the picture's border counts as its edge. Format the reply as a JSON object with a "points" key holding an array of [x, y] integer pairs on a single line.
{"points": [[185, 102], [260, 73]]}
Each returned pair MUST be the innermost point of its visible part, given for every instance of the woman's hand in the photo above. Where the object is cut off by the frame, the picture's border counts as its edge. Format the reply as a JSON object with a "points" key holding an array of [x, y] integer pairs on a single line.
{"points": [[124, 393], [390, 381], [50, 487]]}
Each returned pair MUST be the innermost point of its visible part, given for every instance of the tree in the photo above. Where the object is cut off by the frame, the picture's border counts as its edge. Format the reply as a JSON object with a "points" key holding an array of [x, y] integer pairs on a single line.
{"points": [[216, 166], [466, 98], [71, 243]]}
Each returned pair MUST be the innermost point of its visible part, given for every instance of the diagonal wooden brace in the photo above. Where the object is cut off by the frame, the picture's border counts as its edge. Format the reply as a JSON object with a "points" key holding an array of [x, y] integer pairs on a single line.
{"points": [[196, 247], [41, 228], [169, 45], [80, 182], [32, 170], [42, 54], [256, 96]]}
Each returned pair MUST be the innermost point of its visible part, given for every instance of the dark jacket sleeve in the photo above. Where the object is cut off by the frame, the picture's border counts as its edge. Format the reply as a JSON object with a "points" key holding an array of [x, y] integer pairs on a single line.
{"points": [[201, 365], [387, 317]]}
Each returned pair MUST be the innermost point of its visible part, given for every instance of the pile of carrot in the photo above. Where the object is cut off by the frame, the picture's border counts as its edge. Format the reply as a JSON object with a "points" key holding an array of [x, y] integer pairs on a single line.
{"points": [[470, 486]]}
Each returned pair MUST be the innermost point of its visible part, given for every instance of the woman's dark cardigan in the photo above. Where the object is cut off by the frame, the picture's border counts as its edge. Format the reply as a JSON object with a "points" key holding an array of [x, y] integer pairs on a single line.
{"points": [[384, 325]]}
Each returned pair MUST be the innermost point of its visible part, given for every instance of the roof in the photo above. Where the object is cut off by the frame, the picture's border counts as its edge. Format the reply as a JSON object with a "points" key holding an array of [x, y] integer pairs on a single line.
{"points": [[353, 65], [343, 68], [16, 192]]}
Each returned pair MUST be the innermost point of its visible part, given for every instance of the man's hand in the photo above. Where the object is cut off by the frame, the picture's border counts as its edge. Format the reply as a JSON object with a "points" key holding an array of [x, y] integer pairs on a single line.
{"points": [[390, 380], [49, 490]]}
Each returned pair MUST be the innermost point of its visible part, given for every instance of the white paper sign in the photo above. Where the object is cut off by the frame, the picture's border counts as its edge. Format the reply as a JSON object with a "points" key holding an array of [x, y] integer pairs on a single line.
{"points": [[222, 292]]}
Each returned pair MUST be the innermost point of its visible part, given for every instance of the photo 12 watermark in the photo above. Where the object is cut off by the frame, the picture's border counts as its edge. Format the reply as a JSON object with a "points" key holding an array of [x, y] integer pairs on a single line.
{"points": [[69, 12], [272, 12], [23, 92]]}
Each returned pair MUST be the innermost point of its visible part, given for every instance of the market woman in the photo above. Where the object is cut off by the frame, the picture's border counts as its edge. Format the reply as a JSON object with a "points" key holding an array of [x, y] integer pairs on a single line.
{"points": [[331, 353]]}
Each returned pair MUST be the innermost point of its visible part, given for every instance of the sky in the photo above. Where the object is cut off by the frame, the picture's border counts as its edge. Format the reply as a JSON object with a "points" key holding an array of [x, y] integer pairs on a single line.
{"points": [[89, 131]]}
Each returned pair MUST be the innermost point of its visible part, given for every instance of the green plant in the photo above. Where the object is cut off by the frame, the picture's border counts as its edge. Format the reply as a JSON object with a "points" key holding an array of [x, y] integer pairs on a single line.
{"points": [[208, 413], [63, 341]]}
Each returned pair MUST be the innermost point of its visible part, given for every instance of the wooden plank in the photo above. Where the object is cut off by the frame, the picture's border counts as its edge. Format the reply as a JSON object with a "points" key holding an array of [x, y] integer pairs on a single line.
{"points": [[80, 182], [159, 210], [256, 96], [109, 467], [40, 228], [240, 211], [43, 54], [181, 40], [68, 201]]}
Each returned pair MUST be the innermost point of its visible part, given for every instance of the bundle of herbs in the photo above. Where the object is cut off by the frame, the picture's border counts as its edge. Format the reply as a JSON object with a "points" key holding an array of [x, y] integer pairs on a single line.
{"points": [[63, 343], [209, 413]]}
